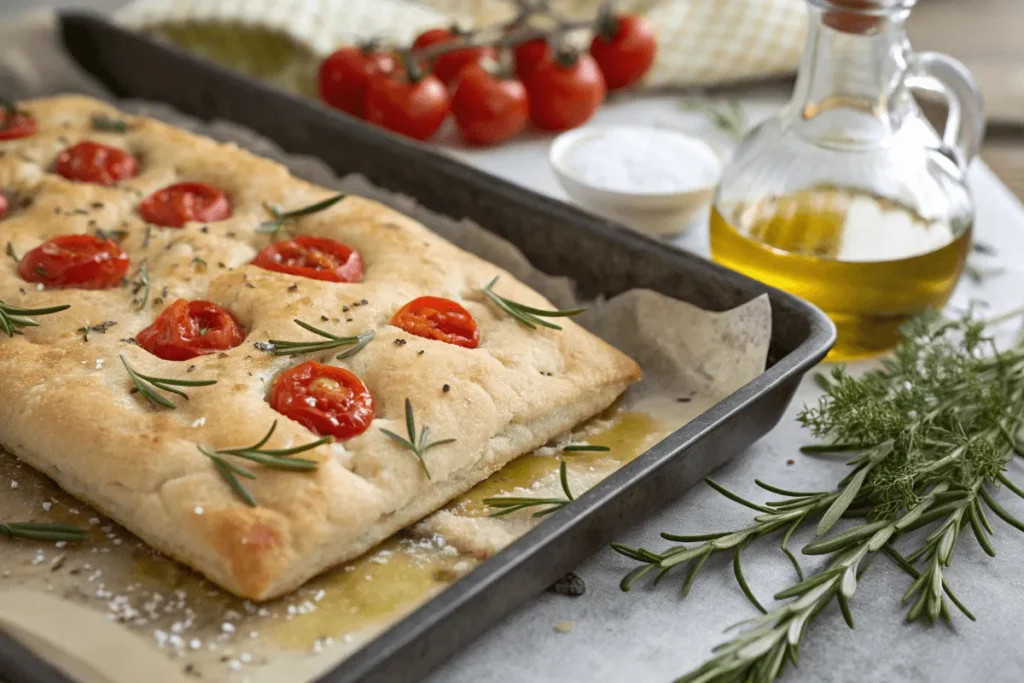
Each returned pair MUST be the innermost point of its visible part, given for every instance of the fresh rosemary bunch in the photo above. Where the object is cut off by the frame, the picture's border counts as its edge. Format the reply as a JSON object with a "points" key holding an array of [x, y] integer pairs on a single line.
{"points": [[934, 429]]}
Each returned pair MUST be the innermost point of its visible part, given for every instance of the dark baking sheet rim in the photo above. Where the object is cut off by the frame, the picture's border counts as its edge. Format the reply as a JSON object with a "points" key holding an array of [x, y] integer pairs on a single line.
{"points": [[441, 627]]}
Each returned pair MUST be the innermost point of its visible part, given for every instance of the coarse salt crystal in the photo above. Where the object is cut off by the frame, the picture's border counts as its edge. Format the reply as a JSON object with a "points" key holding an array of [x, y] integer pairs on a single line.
{"points": [[47, 506], [199, 423], [227, 628], [14, 484], [199, 510]]}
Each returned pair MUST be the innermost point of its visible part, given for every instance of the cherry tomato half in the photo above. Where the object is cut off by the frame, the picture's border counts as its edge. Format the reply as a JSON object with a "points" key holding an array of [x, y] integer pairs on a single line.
{"points": [[565, 92], [530, 55], [91, 162], [488, 109], [5, 205], [75, 261], [317, 258], [442, 319], [414, 108], [625, 52], [345, 76], [175, 205], [187, 329], [16, 124], [327, 400], [448, 66]]}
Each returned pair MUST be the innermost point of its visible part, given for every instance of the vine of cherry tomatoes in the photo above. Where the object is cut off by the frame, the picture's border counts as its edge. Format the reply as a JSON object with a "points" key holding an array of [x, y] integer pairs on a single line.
{"points": [[555, 89]]}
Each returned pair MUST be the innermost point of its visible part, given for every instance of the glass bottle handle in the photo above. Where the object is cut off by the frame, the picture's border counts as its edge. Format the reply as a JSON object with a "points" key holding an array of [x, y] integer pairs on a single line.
{"points": [[965, 122]]}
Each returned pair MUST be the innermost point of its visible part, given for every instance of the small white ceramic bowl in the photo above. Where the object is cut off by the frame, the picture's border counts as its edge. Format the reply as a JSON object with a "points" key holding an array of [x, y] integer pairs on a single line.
{"points": [[661, 213]]}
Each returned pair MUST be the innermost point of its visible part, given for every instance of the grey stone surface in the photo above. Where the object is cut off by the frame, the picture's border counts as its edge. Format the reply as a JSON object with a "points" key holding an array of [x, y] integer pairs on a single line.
{"points": [[654, 635]]}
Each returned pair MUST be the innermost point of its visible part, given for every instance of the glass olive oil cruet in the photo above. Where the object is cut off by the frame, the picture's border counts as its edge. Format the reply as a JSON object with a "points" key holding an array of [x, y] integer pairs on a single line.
{"points": [[849, 198]]}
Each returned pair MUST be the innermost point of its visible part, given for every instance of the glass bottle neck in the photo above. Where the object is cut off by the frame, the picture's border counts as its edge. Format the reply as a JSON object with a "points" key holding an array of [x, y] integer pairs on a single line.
{"points": [[850, 89]]}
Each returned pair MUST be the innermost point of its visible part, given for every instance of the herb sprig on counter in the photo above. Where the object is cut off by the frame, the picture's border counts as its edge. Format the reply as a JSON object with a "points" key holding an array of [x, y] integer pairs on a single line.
{"points": [[506, 505], [42, 532], [279, 347], [149, 386], [934, 430], [274, 458], [14, 318], [527, 315], [417, 443], [280, 219]]}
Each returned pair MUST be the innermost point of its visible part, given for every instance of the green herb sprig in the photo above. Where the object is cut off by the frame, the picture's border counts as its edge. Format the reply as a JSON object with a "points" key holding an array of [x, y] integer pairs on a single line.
{"points": [[933, 430], [105, 124], [274, 458], [141, 284], [527, 315], [420, 443], [726, 115], [506, 505], [148, 386], [14, 318], [585, 448], [42, 532], [10, 111], [280, 219], [279, 347]]}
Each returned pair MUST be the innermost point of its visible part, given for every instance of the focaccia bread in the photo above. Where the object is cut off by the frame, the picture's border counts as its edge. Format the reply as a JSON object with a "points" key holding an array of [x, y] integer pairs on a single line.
{"points": [[67, 405]]}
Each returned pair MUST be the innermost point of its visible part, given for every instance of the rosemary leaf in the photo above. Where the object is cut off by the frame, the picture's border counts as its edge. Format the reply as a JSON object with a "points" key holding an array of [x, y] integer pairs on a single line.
{"points": [[280, 347], [42, 532], [505, 505], [418, 444], [527, 315], [279, 219], [13, 318], [150, 386], [106, 124], [10, 252], [141, 284], [585, 448]]}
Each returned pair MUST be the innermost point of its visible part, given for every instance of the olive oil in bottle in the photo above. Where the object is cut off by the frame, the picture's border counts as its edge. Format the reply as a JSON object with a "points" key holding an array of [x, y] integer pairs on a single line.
{"points": [[868, 262]]}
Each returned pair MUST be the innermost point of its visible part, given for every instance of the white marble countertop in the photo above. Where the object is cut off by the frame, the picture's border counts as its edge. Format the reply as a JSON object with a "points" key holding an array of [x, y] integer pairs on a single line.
{"points": [[655, 635]]}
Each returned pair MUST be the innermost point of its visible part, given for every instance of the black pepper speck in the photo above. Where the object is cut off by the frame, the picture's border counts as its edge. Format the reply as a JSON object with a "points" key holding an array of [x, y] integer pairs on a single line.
{"points": [[446, 388]]}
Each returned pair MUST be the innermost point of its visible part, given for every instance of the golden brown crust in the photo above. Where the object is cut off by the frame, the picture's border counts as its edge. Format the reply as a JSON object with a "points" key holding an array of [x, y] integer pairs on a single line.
{"points": [[66, 407]]}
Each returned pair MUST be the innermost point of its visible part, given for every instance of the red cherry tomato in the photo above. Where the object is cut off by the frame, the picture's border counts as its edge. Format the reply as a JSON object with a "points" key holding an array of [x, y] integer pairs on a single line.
{"points": [[489, 109], [448, 66], [530, 55], [91, 162], [175, 205], [412, 108], [187, 329], [4, 205], [442, 319], [346, 74], [16, 124], [565, 92], [75, 261], [626, 52], [328, 400], [317, 258]]}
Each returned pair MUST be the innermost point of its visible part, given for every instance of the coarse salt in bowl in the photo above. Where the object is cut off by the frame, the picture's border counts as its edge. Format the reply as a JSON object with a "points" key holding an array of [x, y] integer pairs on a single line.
{"points": [[655, 179]]}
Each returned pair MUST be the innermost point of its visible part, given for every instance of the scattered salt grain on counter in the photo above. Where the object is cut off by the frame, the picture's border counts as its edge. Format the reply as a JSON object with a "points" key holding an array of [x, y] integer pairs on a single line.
{"points": [[641, 160]]}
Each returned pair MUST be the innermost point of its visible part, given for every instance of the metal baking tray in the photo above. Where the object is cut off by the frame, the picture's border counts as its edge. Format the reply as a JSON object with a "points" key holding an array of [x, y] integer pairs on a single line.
{"points": [[600, 256]]}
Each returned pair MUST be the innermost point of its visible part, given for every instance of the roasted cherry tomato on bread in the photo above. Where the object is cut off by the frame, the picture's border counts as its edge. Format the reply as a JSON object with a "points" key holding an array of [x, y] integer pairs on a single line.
{"points": [[345, 76], [448, 66], [91, 162], [412, 105], [175, 205], [624, 48], [530, 55], [187, 329], [441, 319], [325, 399], [489, 108], [75, 261], [565, 91], [318, 258], [15, 124]]}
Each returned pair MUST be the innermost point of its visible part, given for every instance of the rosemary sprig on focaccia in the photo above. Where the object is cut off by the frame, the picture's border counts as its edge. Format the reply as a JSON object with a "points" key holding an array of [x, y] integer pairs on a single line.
{"points": [[106, 124], [42, 532], [506, 505], [417, 443], [527, 315], [280, 347], [141, 284], [278, 459], [279, 218], [148, 386], [13, 318]]}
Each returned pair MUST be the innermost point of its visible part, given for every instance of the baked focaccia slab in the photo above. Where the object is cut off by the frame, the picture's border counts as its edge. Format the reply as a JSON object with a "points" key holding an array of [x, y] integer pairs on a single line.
{"points": [[69, 408]]}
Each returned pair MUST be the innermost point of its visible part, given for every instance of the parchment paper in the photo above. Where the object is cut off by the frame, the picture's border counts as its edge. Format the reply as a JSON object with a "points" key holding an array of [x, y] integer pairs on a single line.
{"points": [[111, 608]]}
